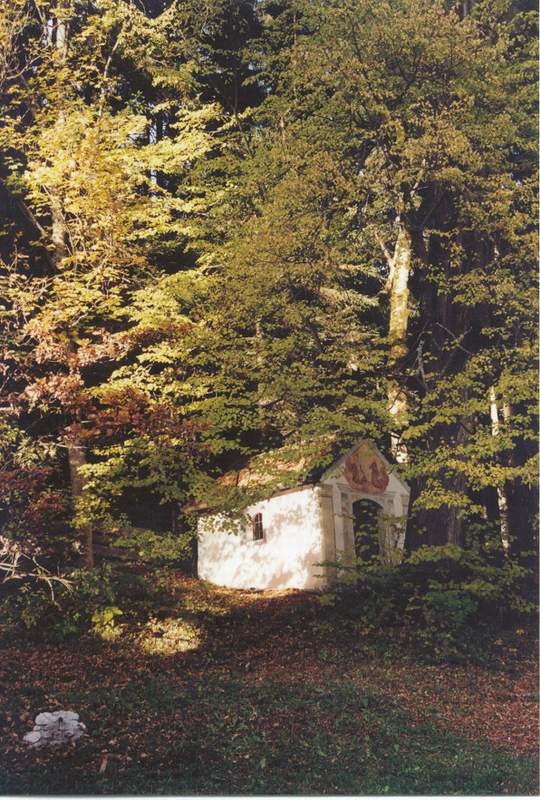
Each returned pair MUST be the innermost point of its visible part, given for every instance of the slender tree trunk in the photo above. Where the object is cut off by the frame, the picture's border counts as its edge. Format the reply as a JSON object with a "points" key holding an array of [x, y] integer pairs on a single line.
{"points": [[76, 460], [521, 502], [75, 450], [466, 8], [58, 231], [501, 498], [398, 284], [459, 485]]}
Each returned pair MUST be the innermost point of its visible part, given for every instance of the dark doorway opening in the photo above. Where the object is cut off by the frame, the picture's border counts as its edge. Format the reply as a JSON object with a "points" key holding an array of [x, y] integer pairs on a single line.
{"points": [[366, 524]]}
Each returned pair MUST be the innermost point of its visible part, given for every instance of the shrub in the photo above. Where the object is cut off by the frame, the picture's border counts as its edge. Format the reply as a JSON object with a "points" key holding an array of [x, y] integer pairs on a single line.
{"points": [[104, 622], [447, 616], [70, 610], [443, 600]]}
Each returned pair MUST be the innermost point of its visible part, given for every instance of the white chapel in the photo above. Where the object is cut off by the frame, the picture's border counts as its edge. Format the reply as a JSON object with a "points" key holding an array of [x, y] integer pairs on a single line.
{"points": [[295, 538]]}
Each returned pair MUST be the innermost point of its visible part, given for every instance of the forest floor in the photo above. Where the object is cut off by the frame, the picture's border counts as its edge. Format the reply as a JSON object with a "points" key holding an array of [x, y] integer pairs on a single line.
{"points": [[230, 692]]}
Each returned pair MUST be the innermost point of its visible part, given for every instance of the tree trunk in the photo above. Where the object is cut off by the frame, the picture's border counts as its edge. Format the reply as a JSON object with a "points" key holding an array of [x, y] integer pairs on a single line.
{"points": [[76, 460], [58, 231], [466, 8], [445, 355], [442, 525], [75, 450], [501, 499], [521, 502], [398, 406]]}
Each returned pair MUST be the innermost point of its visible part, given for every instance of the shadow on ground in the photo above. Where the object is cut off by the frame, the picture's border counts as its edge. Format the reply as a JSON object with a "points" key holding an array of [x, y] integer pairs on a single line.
{"points": [[262, 695]]}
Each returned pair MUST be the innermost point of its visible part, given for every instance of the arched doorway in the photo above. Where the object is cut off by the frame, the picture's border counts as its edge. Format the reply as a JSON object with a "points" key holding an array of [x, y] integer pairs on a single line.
{"points": [[366, 529]]}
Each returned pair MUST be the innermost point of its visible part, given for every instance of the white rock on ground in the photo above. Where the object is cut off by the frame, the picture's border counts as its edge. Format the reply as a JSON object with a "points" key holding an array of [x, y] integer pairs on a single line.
{"points": [[55, 728]]}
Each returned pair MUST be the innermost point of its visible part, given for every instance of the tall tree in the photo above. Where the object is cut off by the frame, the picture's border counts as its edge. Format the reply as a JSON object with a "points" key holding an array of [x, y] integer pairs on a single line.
{"points": [[410, 120], [236, 228], [83, 161]]}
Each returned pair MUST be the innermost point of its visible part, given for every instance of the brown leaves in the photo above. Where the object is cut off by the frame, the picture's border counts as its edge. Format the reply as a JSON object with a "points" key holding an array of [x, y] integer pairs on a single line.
{"points": [[127, 411], [67, 390], [281, 637]]}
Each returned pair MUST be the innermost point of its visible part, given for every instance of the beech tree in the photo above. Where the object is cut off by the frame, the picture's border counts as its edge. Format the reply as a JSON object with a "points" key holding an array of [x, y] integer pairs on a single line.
{"points": [[89, 170], [397, 134], [235, 228]]}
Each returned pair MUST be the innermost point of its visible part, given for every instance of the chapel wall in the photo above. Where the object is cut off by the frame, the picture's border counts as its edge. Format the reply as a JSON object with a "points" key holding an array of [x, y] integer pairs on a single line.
{"points": [[285, 558]]}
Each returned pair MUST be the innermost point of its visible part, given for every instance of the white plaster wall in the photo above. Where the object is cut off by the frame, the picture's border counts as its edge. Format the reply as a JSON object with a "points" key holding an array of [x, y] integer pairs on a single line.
{"points": [[284, 559]]}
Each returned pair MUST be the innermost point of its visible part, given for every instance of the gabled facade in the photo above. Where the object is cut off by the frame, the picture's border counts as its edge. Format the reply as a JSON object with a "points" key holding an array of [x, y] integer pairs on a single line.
{"points": [[291, 534]]}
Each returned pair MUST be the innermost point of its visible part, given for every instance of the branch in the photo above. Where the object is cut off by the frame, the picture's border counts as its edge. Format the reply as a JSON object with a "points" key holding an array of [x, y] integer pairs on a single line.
{"points": [[455, 338], [11, 555], [389, 257], [106, 71]]}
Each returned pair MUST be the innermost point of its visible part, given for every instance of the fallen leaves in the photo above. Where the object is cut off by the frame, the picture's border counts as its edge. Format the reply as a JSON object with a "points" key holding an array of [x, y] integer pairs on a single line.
{"points": [[133, 694]]}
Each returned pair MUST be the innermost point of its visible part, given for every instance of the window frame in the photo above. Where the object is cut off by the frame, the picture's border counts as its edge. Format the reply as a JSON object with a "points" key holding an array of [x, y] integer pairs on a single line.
{"points": [[257, 527]]}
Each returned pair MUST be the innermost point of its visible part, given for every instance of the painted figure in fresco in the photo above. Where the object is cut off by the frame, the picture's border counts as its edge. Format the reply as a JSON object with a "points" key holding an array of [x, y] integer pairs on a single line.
{"points": [[365, 472], [379, 478], [355, 475]]}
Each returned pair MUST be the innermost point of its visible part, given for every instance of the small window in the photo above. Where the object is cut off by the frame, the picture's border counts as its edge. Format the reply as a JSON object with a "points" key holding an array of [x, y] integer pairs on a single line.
{"points": [[258, 530]]}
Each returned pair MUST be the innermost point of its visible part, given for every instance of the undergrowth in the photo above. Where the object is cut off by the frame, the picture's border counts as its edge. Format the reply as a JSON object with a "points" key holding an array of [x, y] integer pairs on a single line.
{"points": [[447, 603]]}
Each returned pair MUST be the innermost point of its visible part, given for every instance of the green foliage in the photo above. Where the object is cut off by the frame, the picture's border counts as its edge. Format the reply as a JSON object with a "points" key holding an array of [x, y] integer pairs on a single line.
{"points": [[86, 604], [445, 601], [104, 621], [157, 547], [202, 214], [446, 623]]}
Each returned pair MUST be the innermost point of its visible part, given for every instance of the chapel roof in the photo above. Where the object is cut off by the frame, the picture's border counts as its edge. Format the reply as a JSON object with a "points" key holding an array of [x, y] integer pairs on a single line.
{"points": [[300, 464], [287, 466]]}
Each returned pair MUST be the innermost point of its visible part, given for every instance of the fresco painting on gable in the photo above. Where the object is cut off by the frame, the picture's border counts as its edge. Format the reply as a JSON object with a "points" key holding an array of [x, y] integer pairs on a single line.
{"points": [[365, 471]]}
